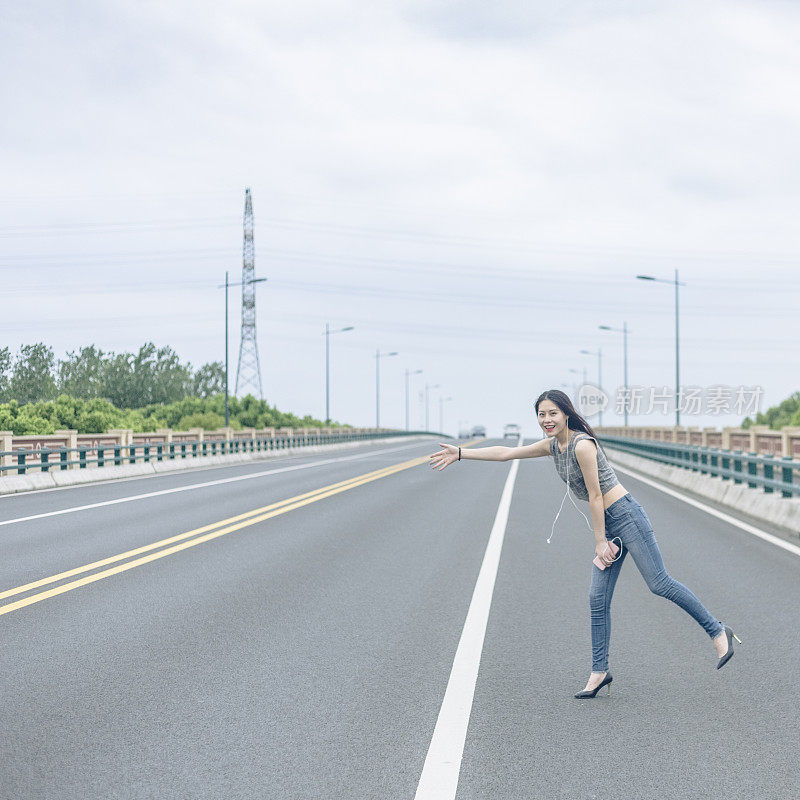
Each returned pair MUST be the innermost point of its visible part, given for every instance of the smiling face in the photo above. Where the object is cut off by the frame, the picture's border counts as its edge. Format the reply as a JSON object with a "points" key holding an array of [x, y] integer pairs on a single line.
{"points": [[551, 418]]}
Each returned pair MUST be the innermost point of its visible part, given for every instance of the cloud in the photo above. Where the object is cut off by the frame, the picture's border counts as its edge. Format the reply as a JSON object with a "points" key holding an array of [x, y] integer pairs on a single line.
{"points": [[591, 138]]}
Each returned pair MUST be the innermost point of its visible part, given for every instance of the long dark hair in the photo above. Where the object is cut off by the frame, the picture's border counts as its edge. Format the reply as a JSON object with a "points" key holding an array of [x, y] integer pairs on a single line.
{"points": [[575, 421]]}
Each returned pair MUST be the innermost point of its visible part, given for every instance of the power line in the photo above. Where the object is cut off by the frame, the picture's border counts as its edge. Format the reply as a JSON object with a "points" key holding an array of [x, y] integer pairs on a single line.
{"points": [[410, 235]]}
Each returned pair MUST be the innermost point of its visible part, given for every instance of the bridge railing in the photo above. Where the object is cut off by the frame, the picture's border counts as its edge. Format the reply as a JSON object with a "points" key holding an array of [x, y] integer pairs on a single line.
{"points": [[21, 460], [771, 473]]}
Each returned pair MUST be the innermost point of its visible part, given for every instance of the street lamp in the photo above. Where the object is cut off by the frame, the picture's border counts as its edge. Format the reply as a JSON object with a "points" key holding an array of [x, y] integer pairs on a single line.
{"points": [[227, 284], [599, 355], [428, 386], [624, 331], [409, 372], [378, 357], [677, 350], [442, 401], [327, 335]]}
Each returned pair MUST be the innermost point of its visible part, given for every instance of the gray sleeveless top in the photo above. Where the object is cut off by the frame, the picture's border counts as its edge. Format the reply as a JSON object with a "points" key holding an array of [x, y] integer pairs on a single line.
{"points": [[605, 474]]}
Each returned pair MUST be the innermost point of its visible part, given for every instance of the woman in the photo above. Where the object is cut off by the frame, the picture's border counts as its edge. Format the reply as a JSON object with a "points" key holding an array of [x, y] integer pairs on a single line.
{"points": [[616, 516]]}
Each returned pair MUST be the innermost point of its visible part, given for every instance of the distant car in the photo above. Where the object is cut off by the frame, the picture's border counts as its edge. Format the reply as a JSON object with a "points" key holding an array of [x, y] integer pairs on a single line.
{"points": [[512, 431], [478, 430]]}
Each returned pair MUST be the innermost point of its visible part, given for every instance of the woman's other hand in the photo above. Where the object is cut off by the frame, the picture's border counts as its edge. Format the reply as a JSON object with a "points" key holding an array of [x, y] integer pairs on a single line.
{"points": [[603, 551], [447, 455]]}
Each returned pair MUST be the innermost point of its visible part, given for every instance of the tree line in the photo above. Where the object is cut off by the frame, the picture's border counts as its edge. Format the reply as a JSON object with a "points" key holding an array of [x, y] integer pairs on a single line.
{"points": [[92, 391], [787, 412], [127, 380]]}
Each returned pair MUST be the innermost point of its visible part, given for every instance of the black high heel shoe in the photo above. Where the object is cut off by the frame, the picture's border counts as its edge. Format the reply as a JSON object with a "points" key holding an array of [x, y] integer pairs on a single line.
{"points": [[730, 636], [605, 682]]}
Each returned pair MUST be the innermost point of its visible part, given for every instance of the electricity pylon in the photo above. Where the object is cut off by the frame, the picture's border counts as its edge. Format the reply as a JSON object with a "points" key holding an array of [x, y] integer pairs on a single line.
{"points": [[248, 373]]}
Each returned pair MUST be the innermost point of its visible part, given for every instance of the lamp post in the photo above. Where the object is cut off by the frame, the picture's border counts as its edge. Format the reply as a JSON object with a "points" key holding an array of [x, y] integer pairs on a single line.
{"points": [[226, 285], [408, 373], [599, 355], [624, 331], [378, 357], [442, 401], [428, 386], [327, 334], [677, 283]]}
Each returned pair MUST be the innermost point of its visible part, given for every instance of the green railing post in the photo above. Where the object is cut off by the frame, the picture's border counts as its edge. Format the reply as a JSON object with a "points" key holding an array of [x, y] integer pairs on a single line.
{"points": [[752, 469], [737, 465], [159, 452], [82, 456], [44, 456], [117, 455], [147, 453], [787, 475], [21, 462], [132, 454], [726, 464], [172, 451], [101, 456], [769, 474]]}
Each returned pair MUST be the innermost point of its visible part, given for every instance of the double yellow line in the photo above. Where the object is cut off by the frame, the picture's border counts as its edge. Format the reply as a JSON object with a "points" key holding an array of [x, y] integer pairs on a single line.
{"points": [[182, 541]]}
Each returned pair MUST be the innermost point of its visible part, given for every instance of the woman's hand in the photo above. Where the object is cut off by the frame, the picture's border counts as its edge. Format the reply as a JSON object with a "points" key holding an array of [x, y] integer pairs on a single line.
{"points": [[604, 552], [447, 455]]}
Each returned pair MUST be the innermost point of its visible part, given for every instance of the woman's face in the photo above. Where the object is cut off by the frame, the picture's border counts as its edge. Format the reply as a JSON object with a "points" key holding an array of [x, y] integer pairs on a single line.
{"points": [[551, 418]]}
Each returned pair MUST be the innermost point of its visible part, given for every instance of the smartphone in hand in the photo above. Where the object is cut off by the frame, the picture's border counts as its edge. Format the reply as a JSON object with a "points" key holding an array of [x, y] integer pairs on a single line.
{"points": [[614, 550]]}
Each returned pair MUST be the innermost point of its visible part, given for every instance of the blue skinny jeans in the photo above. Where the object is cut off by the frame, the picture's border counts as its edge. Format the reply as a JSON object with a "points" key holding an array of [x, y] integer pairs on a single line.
{"points": [[626, 519]]}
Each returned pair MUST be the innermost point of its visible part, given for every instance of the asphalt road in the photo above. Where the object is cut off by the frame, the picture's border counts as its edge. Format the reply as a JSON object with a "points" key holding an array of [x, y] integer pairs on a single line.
{"points": [[303, 651]]}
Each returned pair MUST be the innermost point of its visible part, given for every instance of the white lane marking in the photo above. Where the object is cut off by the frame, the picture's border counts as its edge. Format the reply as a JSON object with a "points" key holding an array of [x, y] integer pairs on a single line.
{"points": [[745, 526], [439, 779], [161, 492]]}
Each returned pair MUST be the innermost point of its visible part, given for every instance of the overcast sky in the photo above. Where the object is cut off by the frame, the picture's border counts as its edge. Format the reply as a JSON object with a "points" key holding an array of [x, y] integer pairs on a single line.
{"points": [[473, 185]]}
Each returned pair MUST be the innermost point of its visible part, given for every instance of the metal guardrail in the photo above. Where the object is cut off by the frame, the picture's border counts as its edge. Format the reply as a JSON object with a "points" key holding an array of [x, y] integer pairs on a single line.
{"points": [[756, 469], [63, 458]]}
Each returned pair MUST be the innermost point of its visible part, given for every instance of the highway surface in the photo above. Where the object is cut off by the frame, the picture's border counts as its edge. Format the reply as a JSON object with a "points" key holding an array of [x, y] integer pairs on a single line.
{"points": [[293, 629]]}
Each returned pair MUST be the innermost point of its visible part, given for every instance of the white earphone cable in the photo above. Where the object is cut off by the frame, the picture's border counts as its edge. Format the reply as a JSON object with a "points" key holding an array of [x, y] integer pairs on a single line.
{"points": [[588, 524]]}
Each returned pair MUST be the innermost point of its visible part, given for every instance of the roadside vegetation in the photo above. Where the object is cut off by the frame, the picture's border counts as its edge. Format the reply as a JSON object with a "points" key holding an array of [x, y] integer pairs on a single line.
{"points": [[787, 412], [92, 391]]}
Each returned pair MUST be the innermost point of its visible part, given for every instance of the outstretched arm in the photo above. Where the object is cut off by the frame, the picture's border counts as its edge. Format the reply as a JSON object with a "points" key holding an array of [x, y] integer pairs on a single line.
{"points": [[449, 453]]}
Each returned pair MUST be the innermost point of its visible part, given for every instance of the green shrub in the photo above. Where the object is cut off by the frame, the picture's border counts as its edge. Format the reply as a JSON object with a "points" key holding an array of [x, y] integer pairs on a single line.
{"points": [[98, 415], [207, 420]]}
